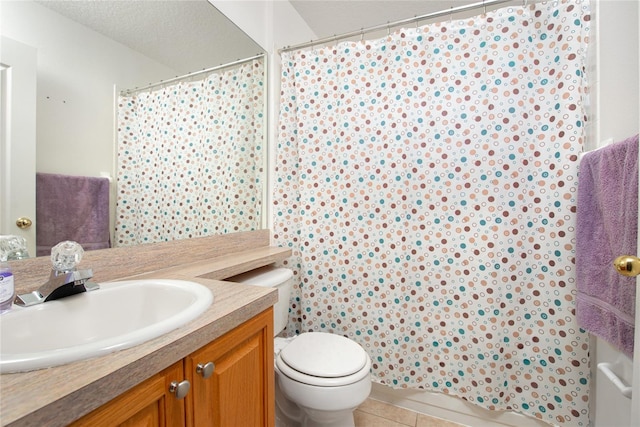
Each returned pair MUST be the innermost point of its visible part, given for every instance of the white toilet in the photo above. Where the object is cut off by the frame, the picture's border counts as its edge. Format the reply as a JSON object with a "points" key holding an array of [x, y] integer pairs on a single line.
{"points": [[320, 377]]}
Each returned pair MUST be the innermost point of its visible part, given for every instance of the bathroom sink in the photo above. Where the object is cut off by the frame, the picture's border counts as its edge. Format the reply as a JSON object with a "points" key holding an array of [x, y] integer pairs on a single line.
{"points": [[119, 315]]}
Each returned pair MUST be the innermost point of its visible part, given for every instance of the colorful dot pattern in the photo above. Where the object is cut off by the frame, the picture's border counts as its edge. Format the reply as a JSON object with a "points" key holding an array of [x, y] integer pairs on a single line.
{"points": [[426, 183], [190, 158]]}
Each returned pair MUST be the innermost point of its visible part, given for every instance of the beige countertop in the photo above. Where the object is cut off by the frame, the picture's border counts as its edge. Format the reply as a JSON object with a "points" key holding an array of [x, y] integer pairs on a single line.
{"points": [[59, 395]]}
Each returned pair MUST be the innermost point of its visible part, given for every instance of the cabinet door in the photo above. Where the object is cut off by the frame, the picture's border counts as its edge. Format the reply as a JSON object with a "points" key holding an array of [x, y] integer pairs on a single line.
{"points": [[239, 391], [148, 404]]}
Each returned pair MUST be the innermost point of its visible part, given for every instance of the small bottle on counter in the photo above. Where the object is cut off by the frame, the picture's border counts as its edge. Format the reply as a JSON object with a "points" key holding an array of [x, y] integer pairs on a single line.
{"points": [[6, 287]]}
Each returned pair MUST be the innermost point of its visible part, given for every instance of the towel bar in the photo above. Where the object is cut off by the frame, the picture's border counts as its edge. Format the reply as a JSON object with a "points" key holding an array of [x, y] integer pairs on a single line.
{"points": [[605, 368]]}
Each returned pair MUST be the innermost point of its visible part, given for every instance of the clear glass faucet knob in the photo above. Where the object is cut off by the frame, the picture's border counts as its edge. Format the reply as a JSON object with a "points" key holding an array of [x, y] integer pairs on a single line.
{"points": [[13, 247], [66, 255]]}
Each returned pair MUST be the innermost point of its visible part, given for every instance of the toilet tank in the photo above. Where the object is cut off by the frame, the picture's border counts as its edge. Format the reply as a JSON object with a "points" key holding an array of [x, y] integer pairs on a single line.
{"points": [[271, 277]]}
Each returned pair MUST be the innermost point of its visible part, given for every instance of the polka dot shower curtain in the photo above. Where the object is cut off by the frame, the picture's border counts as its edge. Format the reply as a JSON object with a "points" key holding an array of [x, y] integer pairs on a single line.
{"points": [[190, 158], [426, 183]]}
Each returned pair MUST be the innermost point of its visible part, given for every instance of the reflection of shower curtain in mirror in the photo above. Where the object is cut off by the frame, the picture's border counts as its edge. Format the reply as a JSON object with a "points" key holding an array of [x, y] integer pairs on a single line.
{"points": [[426, 183], [190, 158]]}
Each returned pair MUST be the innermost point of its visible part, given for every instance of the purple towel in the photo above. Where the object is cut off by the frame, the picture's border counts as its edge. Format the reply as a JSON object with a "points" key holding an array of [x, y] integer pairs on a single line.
{"points": [[71, 208], [607, 227]]}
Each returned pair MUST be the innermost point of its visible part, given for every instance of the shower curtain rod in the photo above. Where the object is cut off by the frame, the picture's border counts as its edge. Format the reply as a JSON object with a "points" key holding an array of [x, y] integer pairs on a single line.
{"points": [[389, 25], [128, 92]]}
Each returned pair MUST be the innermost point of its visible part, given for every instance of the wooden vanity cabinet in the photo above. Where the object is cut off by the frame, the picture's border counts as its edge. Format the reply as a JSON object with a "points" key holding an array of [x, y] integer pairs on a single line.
{"points": [[238, 388], [231, 384], [147, 404]]}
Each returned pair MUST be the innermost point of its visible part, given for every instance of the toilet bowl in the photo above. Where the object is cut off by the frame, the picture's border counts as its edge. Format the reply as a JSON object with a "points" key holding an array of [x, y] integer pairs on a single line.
{"points": [[325, 376], [320, 377]]}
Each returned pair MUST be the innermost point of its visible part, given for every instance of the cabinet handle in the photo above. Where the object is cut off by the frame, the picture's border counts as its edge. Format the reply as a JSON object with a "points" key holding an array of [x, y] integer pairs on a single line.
{"points": [[205, 370], [179, 389]]}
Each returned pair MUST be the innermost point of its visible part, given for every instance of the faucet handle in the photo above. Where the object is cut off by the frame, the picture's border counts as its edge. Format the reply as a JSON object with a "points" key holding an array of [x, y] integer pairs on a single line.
{"points": [[66, 255], [13, 247]]}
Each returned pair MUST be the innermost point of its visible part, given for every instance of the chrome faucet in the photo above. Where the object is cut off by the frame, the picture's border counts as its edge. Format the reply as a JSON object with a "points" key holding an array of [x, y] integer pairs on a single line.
{"points": [[65, 279]]}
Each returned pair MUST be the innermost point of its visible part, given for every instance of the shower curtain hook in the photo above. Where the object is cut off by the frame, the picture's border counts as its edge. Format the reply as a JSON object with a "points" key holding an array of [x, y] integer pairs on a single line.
{"points": [[450, 14], [361, 35], [388, 29], [484, 6]]}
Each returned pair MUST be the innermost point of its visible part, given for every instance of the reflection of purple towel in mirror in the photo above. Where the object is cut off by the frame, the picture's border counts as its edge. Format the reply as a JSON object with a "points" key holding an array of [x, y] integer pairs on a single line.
{"points": [[607, 226], [71, 208]]}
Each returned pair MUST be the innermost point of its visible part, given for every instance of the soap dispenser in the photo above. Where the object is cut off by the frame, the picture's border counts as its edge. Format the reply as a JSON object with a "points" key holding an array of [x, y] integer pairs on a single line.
{"points": [[6, 287]]}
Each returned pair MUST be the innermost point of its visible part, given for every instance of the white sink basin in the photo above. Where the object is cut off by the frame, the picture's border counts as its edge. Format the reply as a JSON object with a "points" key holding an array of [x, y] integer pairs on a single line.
{"points": [[119, 315]]}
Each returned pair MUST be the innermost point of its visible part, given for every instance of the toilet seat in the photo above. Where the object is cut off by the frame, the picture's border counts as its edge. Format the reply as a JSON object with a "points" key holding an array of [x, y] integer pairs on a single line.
{"points": [[323, 359]]}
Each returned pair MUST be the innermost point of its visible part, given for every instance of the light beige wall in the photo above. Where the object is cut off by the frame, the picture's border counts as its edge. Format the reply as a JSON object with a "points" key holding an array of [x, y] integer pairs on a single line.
{"points": [[75, 94], [272, 24], [617, 116], [618, 108]]}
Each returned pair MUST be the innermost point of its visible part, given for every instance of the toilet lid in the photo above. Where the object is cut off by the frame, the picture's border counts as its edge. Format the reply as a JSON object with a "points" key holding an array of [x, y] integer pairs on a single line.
{"points": [[324, 355]]}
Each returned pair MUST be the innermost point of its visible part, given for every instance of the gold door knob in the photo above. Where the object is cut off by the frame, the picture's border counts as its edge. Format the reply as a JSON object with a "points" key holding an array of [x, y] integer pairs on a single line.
{"points": [[23, 222], [627, 265]]}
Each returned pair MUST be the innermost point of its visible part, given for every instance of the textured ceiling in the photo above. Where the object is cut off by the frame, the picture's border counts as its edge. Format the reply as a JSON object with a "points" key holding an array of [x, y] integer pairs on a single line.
{"points": [[189, 35], [186, 35], [330, 17]]}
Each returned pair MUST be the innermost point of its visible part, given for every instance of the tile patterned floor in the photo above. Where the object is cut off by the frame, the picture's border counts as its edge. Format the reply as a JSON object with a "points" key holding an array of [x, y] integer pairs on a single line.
{"points": [[373, 413]]}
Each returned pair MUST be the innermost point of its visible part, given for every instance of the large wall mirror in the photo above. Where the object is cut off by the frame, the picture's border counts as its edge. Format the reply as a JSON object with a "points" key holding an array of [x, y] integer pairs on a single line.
{"points": [[86, 52]]}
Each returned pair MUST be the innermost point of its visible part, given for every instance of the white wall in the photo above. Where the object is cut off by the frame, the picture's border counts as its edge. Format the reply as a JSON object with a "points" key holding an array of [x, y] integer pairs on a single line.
{"points": [[618, 68], [618, 116], [272, 24], [75, 93], [275, 24]]}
